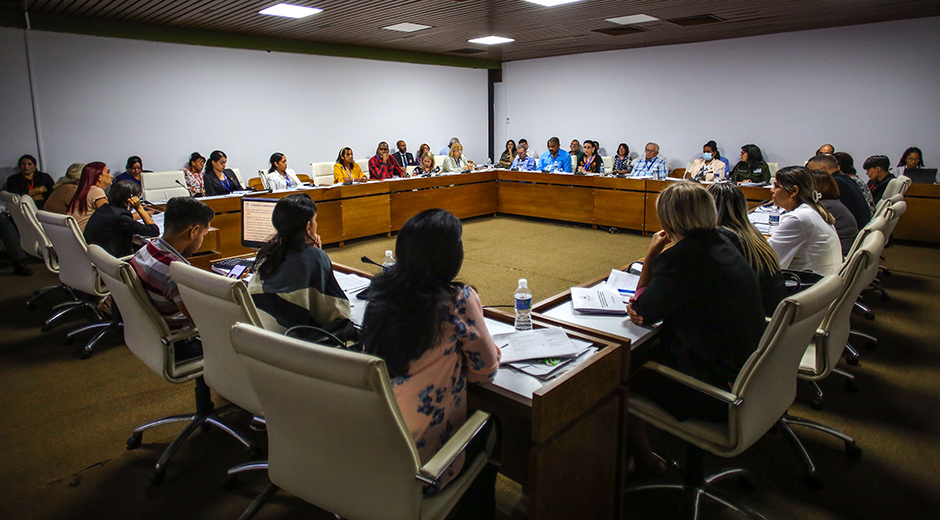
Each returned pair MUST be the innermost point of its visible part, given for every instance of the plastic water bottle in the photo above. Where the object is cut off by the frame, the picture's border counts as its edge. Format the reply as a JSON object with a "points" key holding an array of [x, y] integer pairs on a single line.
{"points": [[774, 218], [523, 298], [388, 262]]}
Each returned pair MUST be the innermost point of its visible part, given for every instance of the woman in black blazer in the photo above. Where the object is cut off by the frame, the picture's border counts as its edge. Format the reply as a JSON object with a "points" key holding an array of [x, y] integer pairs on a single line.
{"points": [[218, 179], [709, 301]]}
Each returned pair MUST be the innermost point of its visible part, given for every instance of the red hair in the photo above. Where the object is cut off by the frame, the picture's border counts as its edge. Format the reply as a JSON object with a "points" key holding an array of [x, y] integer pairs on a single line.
{"points": [[90, 175]]}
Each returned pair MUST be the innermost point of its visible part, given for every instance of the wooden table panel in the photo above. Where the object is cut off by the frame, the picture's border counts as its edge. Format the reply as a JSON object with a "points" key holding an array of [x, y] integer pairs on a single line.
{"points": [[921, 221], [562, 179], [570, 203], [330, 221], [365, 216], [467, 200], [623, 209], [620, 183], [652, 224]]}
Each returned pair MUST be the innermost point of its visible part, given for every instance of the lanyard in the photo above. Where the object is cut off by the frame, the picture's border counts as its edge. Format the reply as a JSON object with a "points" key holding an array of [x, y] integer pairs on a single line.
{"points": [[225, 182], [287, 178], [348, 172], [587, 164]]}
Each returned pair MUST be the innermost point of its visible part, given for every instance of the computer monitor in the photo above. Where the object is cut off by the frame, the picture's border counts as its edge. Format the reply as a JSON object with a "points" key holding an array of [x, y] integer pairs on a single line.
{"points": [[921, 175], [256, 221]]}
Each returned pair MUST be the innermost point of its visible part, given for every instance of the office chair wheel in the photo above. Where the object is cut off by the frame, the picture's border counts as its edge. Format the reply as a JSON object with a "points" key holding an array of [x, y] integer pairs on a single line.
{"points": [[885, 271], [30, 306], [85, 354], [852, 450], [816, 404], [746, 483], [156, 478], [871, 345], [45, 328], [870, 316], [133, 442], [852, 360], [814, 482], [885, 297], [230, 481], [68, 340], [255, 452]]}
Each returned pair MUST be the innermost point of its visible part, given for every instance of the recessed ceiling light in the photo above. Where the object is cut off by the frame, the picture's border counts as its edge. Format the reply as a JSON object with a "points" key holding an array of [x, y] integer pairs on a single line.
{"points": [[491, 40], [552, 3], [290, 11], [630, 20], [407, 27]]}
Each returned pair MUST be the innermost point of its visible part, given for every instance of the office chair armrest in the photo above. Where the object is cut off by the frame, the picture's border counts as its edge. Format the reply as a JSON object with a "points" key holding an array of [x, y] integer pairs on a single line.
{"points": [[695, 384], [821, 334], [432, 471], [180, 335]]}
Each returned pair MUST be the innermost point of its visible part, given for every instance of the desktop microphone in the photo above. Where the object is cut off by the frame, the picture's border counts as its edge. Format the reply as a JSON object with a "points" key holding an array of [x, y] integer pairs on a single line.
{"points": [[177, 181], [367, 260]]}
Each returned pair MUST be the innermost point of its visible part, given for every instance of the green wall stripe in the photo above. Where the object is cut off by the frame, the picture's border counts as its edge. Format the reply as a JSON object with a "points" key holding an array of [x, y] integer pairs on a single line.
{"points": [[65, 24]]}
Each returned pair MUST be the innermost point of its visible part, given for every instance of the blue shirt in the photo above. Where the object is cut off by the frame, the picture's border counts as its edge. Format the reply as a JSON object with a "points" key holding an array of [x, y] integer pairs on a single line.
{"points": [[528, 164], [125, 177], [656, 167], [563, 160]]}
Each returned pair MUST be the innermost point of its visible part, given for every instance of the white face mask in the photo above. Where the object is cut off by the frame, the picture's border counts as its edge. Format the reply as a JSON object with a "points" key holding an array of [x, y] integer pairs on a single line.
{"points": [[707, 156]]}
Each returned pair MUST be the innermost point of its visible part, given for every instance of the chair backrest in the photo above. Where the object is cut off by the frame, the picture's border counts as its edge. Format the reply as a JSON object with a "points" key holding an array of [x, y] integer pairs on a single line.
{"points": [[263, 177], [879, 224], [895, 187], [238, 173], [767, 382], [773, 166], [335, 433], [163, 185], [894, 214], [322, 173], [255, 184], [861, 268], [439, 160], [216, 303], [75, 268], [29, 239], [608, 163], [907, 184], [304, 178], [145, 331], [364, 164]]}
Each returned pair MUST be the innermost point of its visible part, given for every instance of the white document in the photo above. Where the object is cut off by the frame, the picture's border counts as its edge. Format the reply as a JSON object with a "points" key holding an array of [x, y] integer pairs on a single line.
{"points": [[597, 301], [535, 344], [623, 282], [158, 219], [351, 283], [549, 368]]}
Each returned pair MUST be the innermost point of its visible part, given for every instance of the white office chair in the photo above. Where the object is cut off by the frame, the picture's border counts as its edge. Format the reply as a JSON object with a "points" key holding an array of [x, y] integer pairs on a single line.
{"points": [[439, 160], [336, 435], [763, 391], [159, 186], [322, 173], [263, 177], [608, 163], [151, 340], [77, 271], [241, 180], [773, 170], [364, 165]]}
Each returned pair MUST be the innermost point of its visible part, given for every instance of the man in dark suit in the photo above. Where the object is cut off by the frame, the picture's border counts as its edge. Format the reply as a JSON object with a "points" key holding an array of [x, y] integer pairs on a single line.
{"points": [[403, 157], [849, 191]]}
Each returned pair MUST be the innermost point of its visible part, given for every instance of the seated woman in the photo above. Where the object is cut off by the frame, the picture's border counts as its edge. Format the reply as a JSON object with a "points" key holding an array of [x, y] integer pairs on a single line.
{"points": [[112, 226], [280, 177], [623, 164], [455, 162], [294, 283], [911, 158], [709, 166], [346, 169], [132, 170], [219, 180], [712, 317], [423, 149], [847, 166], [845, 224], [590, 161], [752, 167], [430, 331], [877, 168], [96, 177], [28, 180], [427, 166], [193, 174], [508, 155], [805, 240], [63, 190], [736, 227]]}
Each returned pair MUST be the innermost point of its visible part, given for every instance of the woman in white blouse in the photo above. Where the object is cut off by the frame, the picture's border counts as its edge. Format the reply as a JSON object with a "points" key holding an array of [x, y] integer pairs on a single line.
{"points": [[280, 177], [805, 240], [455, 162]]}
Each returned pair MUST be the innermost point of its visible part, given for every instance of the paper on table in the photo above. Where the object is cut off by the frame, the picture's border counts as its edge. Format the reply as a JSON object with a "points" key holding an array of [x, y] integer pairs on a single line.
{"points": [[548, 368], [158, 219], [535, 344], [351, 283], [597, 300], [625, 283]]}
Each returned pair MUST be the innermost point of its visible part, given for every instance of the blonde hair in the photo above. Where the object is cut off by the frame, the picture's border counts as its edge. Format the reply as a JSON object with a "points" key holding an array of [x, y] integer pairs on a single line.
{"points": [[453, 148], [427, 155], [731, 205], [684, 208]]}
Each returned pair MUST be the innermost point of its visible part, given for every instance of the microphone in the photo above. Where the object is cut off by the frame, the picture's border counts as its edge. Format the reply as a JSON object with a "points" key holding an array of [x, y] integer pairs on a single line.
{"points": [[177, 181], [367, 260]]}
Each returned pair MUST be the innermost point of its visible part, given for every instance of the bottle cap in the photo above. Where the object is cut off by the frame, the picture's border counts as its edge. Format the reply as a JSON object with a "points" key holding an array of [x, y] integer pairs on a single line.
{"points": [[388, 253], [523, 282]]}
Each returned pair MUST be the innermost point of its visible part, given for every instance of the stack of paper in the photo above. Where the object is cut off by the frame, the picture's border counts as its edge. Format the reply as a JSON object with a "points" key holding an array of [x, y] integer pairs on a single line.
{"points": [[597, 300], [351, 283], [623, 282], [542, 353]]}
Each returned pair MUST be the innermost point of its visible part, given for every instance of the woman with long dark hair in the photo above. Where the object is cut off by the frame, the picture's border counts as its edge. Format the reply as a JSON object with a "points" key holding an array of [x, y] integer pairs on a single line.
{"points": [[346, 169], [623, 164], [805, 240], [508, 155], [96, 177], [430, 331], [733, 223], [294, 282], [751, 167], [280, 177], [910, 159], [218, 179]]}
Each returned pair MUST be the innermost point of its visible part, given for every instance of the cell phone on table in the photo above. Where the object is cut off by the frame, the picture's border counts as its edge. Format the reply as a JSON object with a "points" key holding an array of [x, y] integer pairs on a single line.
{"points": [[236, 271]]}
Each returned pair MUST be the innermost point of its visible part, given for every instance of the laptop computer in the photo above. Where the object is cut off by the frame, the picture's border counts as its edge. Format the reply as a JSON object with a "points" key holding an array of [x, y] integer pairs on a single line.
{"points": [[922, 175]]}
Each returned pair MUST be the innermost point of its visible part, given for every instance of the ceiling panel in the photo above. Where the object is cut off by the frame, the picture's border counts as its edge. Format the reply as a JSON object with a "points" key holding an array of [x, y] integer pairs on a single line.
{"points": [[538, 31]]}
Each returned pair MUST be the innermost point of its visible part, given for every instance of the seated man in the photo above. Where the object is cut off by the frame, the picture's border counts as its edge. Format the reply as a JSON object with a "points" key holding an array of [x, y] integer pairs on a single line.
{"points": [[381, 165], [826, 149], [555, 159], [651, 164], [403, 157], [850, 194], [446, 151], [523, 162], [574, 150]]}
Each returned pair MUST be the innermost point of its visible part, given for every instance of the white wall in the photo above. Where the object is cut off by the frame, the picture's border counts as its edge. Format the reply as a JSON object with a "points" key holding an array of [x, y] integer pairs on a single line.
{"points": [[868, 89], [16, 110], [106, 99]]}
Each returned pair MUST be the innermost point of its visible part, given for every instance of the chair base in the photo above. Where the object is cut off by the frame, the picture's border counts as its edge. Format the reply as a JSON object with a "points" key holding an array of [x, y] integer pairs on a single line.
{"points": [[817, 402], [698, 485], [196, 420], [112, 325], [872, 341], [812, 479], [31, 302], [63, 309], [259, 502]]}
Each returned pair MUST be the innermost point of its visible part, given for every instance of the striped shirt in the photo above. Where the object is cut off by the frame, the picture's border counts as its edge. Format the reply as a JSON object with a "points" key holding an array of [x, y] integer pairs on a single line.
{"points": [[152, 265]]}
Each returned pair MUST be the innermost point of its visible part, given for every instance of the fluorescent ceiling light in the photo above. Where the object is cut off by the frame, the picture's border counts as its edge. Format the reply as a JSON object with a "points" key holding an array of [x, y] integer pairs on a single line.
{"points": [[630, 20], [491, 40], [290, 11], [552, 3], [407, 27]]}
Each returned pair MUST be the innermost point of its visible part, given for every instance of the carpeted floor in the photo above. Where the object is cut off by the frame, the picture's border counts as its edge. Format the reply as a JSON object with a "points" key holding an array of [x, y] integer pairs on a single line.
{"points": [[65, 420]]}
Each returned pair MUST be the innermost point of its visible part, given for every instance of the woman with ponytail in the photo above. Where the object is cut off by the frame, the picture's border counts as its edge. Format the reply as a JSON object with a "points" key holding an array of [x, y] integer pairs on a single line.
{"points": [[806, 239], [294, 282], [430, 331]]}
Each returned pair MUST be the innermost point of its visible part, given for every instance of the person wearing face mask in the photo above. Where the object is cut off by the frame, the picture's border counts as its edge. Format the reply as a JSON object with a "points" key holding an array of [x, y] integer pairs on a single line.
{"points": [[112, 226], [280, 177], [709, 166], [590, 161]]}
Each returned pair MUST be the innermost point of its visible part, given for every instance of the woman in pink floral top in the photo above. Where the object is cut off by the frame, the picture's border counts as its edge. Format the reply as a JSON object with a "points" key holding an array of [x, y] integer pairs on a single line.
{"points": [[430, 332]]}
